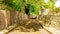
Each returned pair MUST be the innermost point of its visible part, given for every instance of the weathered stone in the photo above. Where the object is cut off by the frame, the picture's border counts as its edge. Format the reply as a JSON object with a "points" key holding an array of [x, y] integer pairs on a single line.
{"points": [[2, 20]]}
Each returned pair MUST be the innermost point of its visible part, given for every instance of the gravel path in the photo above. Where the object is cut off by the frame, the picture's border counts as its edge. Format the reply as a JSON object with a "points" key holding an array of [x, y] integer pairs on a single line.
{"points": [[42, 31]]}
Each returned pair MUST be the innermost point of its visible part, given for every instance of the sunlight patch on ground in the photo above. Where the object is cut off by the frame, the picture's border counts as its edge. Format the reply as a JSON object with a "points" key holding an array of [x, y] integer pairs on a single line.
{"points": [[46, 11], [53, 30], [3, 31]]}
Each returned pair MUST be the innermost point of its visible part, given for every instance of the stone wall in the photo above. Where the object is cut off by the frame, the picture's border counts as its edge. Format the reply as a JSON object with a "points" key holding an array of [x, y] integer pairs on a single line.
{"points": [[3, 20], [11, 17]]}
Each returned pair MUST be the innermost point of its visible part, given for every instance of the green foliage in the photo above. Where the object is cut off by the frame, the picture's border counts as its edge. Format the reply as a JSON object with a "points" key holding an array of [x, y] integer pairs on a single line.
{"points": [[16, 4], [34, 5], [1, 1], [34, 10]]}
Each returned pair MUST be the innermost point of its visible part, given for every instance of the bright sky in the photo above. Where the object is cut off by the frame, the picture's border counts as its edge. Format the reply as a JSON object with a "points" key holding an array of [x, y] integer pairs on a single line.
{"points": [[46, 0], [57, 3]]}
